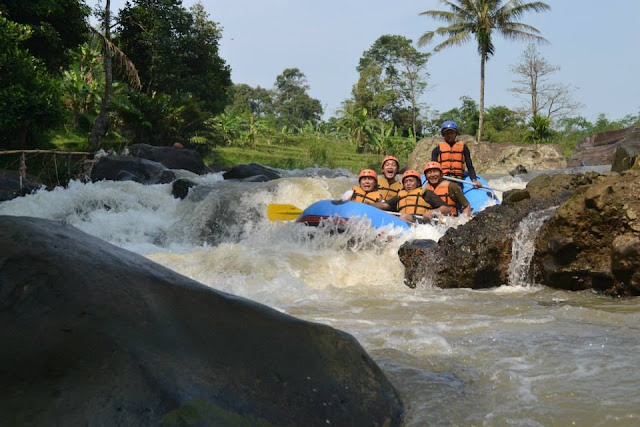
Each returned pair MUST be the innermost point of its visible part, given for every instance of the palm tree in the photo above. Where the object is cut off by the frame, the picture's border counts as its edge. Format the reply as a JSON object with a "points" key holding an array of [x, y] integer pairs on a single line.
{"points": [[110, 50], [480, 19]]}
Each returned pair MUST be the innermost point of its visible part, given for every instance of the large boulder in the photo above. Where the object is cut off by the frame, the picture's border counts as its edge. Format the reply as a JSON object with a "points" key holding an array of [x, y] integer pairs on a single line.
{"points": [[490, 157], [478, 254], [170, 157], [251, 170], [95, 335], [127, 168], [10, 187], [600, 148], [626, 155], [593, 240]]}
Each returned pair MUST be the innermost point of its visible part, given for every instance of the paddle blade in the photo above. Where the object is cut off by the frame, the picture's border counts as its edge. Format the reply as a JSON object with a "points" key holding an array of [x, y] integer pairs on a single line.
{"points": [[277, 212]]}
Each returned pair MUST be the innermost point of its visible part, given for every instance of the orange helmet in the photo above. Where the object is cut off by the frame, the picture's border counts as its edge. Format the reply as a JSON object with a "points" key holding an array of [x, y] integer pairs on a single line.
{"points": [[432, 165], [413, 173], [368, 172], [390, 158]]}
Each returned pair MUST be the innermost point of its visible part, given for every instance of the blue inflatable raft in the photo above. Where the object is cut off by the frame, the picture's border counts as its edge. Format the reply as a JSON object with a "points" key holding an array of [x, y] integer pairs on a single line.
{"points": [[478, 197], [345, 210]]}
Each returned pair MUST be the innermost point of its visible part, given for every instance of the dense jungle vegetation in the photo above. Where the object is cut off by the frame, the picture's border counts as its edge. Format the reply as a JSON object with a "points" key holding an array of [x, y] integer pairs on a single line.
{"points": [[152, 73]]}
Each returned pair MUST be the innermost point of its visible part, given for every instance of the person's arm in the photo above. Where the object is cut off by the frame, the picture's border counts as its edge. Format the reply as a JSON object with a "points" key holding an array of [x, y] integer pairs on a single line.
{"points": [[388, 205], [435, 153], [456, 194], [470, 168], [437, 205]]}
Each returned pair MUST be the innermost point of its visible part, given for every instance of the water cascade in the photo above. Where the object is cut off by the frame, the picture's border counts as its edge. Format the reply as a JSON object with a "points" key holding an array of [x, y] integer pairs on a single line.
{"points": [[523, 246]]}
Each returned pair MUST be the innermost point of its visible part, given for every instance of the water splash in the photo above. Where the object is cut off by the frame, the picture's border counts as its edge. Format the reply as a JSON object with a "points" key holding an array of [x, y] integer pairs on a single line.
{"points": [[523, 246]]}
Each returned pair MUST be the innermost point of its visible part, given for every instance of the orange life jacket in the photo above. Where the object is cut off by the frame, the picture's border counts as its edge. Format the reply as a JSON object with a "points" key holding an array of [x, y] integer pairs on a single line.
{"points": [[452, 159], [388, 190], [442, 191], [411, 202], [359, 195]]}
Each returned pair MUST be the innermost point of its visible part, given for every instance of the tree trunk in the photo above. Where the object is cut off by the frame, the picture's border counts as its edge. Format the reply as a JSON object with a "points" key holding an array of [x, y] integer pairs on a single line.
{"points": [[101, 125], [483, 60]]}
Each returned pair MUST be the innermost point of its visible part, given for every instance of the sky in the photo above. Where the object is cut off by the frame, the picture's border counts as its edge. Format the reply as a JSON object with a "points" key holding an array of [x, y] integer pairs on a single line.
{"points": [[595, 43]]}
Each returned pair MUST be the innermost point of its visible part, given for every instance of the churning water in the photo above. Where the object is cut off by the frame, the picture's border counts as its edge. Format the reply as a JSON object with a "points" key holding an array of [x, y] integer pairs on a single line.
{"points": [[518, 354]]}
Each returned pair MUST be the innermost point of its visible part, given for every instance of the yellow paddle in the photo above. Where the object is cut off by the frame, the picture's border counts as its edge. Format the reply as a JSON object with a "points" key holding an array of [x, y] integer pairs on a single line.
{"points": [[277, 212]]}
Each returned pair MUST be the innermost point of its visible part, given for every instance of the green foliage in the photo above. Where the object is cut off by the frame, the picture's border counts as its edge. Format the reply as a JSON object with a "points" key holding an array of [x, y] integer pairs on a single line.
{"points": [[29, 96], [162, 119], [539, 130], [293, 107], [175, 51], [83, 84], [504, 125], [466, 117], [391, 79], [360, 126], [246, 99], [57, 27]]}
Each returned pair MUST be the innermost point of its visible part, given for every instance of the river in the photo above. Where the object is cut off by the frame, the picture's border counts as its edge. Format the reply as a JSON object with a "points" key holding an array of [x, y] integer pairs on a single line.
{"points": [[517, 354]]}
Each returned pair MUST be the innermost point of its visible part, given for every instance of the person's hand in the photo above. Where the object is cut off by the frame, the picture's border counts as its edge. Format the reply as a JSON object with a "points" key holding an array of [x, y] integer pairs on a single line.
{"points": [[427, 215], [477, 183]]}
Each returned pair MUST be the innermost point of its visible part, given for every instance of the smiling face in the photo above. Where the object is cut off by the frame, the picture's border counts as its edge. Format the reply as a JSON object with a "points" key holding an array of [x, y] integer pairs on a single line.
{"points": [[390, 169], [449, 135], [410, 183], [368, 183], [433, 176]]}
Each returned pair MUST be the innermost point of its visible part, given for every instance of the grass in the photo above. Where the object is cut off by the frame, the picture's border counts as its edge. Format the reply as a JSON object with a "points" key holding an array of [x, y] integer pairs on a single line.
{"points": [[298, 152]]}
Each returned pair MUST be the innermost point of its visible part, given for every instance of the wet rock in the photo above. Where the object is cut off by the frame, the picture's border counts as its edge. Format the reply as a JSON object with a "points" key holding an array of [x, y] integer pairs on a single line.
{"points": [[518, 170], [591, 242], [477, 254], [515, 196], [251, 170], [495, 158], [600, 148], [180, 188], [96, 335], [10, 185], [626, 155], [127, 168], [170, 157]]}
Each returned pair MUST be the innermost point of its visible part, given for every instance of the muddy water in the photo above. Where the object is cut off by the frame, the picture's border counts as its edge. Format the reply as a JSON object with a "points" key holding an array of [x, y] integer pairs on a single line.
{"points": [[516, 354]]}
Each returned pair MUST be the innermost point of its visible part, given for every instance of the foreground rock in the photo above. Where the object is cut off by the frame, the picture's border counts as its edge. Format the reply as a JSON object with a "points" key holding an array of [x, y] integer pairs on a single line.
{"points": [[600, 148], [593, 240], [170, 157], [477, 255], [495, 158], [127, 168], [95, 335]]}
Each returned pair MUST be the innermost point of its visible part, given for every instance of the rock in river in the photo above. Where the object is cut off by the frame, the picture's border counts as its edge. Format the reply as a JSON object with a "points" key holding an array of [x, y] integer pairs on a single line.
{"points": [[95, 335], [593, 240]]}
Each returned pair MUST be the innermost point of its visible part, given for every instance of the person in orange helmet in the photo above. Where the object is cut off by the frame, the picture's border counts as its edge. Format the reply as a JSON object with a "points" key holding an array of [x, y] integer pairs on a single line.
{"points": [[387, 184], [367, 190], [450, 193], [414, 200]]}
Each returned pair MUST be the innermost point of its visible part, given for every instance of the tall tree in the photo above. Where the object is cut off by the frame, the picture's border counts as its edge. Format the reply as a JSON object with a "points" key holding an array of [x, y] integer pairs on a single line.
{"points": [[545, 98], [57, 27], [175, 50], [392, 79], [481, 19], [257, 101], [293, 105], [29, 95]]}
